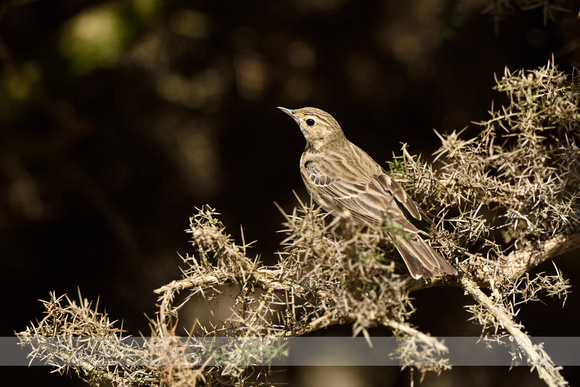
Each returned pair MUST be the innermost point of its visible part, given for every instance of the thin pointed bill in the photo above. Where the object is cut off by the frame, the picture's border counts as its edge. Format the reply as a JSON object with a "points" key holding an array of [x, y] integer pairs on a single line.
{"points": [[290, 112]]}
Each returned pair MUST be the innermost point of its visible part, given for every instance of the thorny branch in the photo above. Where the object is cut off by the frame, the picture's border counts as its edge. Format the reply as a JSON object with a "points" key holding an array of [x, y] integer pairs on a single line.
{"points": [[536, 356], [502, 203]]}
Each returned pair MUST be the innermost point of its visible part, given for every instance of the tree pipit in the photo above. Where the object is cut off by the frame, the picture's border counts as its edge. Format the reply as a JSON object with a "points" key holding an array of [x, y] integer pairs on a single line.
{"points": [[345, 180]]}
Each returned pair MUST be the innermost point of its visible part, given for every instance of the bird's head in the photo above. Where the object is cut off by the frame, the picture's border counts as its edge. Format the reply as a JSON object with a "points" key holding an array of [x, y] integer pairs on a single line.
{"points": [[318, 127]]}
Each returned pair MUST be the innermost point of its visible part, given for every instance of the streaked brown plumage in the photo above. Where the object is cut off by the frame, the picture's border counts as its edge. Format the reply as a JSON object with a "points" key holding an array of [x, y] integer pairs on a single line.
{"points": [[343, 179]]}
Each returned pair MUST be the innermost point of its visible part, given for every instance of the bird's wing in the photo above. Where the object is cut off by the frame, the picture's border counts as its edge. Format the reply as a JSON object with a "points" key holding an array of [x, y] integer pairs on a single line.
{"points": [[367, 201], [390, 185], [373, 202]]}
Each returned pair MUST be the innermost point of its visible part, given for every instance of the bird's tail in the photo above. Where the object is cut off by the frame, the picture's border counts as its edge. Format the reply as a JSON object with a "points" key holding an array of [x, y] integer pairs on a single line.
{"points": [[421, 260]]}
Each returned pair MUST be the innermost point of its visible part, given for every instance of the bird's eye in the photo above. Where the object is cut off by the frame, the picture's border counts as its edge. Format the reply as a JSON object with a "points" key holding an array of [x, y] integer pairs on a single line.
{"points": [[310, 122]]}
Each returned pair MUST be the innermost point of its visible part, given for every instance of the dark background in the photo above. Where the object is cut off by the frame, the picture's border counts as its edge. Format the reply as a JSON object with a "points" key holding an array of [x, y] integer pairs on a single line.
{"points": [[117, 119]]}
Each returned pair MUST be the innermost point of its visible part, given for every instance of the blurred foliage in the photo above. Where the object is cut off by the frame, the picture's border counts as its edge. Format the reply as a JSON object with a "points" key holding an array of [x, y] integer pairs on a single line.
{"points": [[95, 37]]}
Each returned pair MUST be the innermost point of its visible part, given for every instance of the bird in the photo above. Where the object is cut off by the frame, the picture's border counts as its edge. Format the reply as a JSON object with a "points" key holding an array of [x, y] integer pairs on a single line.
{"points": [[344, 180]]}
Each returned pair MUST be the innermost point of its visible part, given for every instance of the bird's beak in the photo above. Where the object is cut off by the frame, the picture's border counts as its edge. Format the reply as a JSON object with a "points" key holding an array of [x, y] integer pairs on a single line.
{"points": [[290, 112]]}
